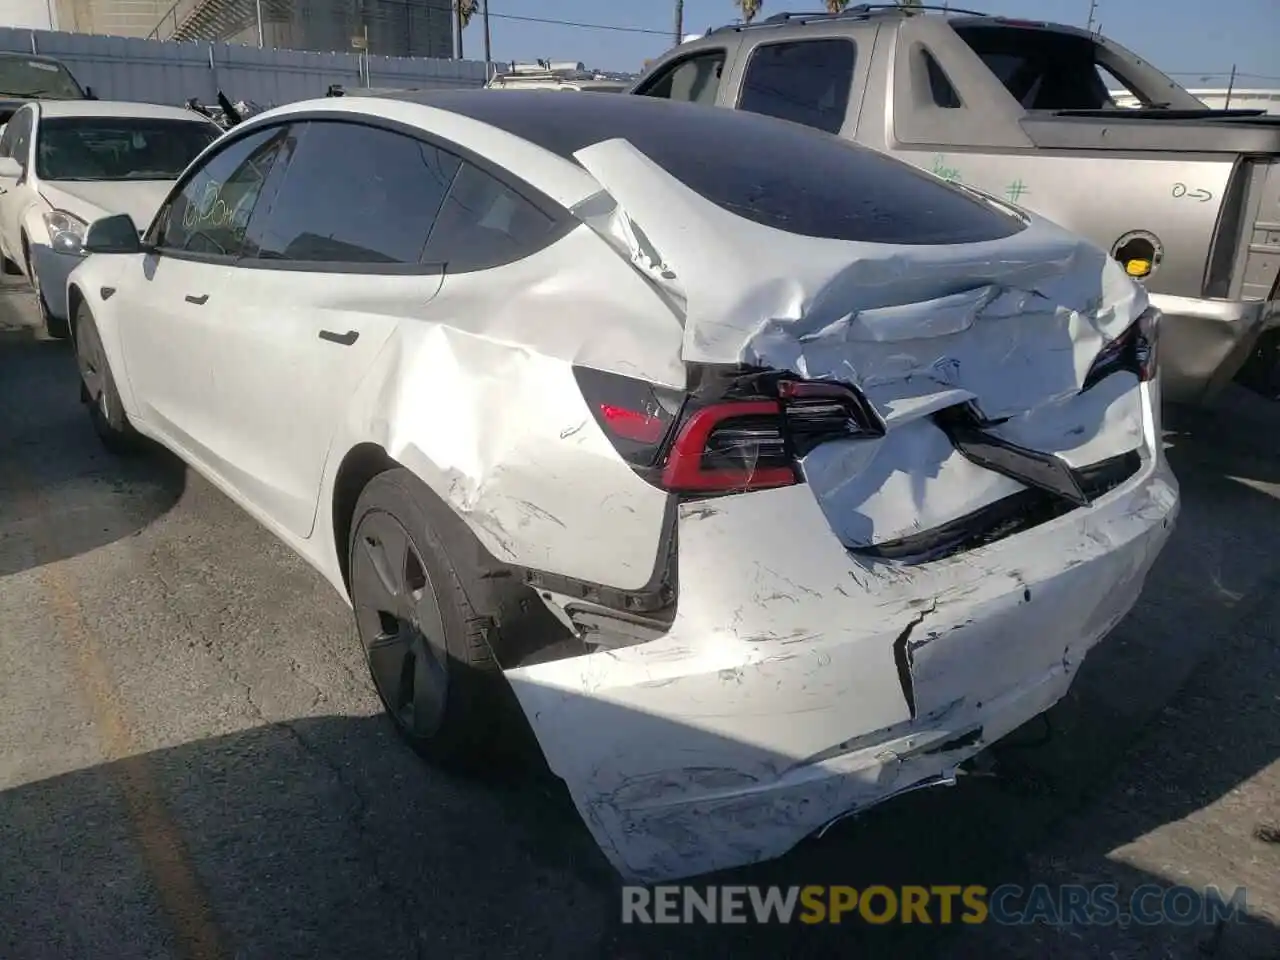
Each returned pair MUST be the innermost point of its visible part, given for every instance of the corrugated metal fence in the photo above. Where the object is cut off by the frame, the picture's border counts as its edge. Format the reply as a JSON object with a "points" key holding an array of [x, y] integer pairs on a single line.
{"points": [[151, 71]]}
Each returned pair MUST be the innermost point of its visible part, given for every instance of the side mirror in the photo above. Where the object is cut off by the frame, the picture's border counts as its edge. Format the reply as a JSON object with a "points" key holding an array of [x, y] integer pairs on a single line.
{"points": [[89, 94], [10, 169], [116, 234]]}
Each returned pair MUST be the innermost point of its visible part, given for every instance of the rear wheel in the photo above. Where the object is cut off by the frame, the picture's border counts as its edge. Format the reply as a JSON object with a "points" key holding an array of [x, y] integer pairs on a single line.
{"points": [[98, 387], [426, 643]]}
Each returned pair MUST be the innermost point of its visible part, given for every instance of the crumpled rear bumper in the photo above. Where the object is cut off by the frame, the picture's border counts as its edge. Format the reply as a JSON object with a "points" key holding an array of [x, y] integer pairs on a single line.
{"points": [[1204, 343], [798, 683]]}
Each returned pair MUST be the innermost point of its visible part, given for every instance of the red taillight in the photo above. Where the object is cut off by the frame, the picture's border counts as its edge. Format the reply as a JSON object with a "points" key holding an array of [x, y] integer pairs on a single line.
{"points": [[728, 445], [637, 425], [1134, 351]]}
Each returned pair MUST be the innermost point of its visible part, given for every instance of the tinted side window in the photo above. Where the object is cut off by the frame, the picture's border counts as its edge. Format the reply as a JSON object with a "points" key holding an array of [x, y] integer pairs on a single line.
{"points": [[6, 140], [355, 194], [208, 215], [695, 79], [484, 223], [807, 82], [944, 94]]}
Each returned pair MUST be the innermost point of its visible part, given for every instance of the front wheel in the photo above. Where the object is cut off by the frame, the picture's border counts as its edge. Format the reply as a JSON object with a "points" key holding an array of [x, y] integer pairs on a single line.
{"points": [[427, 646], [98, 387]]}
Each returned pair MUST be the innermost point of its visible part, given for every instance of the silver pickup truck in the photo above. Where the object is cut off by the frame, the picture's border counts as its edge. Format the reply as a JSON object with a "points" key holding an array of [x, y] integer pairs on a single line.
{"points": [[1186, 197]]}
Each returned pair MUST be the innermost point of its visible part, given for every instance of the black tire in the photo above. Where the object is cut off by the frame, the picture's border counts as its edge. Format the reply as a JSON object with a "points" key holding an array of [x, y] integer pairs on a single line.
{"points": [[427, 636], [98, 388], [9, 268]]}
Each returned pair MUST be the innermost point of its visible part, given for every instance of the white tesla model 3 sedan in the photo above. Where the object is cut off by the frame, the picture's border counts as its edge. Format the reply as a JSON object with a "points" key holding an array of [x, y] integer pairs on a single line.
{"points": [[824, 472]]}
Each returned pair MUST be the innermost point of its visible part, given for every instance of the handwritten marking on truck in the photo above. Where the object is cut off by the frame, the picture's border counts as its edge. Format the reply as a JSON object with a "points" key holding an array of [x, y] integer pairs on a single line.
{"points": [[1181, 190], [940, 168], [1016, 190]]}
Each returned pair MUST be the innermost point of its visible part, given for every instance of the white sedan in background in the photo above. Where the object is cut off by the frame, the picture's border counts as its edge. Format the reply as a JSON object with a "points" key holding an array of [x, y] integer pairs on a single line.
{"points": [[772, 489], [66, 163]]}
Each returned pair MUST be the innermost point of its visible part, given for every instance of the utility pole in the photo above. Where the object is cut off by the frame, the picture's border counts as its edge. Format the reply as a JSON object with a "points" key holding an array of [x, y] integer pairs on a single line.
{"points": [[1093, 7], [1231, 83], [457, 26], [258, 10], [488, 52], [679, 22]]}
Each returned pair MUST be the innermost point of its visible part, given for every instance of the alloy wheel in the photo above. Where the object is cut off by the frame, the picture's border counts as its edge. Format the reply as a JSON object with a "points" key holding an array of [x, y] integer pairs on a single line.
{"points": [[400, 625]]}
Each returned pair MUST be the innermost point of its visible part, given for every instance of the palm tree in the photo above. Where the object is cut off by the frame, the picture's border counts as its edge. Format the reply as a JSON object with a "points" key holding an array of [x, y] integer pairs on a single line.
{"points": [[836, 6], [465, 10], [749, 8]]}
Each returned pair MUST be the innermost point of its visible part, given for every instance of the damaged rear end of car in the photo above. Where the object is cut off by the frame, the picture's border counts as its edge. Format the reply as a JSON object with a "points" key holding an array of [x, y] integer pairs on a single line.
{"points": [[913, 476]]}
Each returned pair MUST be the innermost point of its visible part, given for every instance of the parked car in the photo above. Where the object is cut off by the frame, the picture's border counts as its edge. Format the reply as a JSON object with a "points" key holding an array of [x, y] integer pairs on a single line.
{"points": [[772, 489], [557, 75], [66, 163], [1185, 196], [25, 77]]}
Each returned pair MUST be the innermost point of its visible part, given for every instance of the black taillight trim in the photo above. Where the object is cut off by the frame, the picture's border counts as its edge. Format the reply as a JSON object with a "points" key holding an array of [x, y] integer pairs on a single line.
{"points": [[1135, 350]]}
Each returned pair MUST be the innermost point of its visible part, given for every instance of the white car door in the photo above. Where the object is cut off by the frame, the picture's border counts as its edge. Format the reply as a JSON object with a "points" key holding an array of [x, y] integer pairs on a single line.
{"points": [[332, 266], [172, 301], [15, 195]]}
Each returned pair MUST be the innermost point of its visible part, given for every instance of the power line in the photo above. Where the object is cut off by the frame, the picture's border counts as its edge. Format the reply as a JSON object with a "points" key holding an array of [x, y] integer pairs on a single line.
{"points": [[580, 25], [1220, 73]]}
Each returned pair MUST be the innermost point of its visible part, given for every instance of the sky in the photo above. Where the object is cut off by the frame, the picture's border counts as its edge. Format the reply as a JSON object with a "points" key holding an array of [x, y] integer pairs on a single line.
{"points": [[1194, 40]]}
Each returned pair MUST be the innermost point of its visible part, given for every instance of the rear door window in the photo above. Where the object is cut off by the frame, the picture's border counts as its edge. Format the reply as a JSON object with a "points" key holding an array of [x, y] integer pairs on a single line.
{"points": [[693, 79], [484, 223], [806, 81], [354, 194]]}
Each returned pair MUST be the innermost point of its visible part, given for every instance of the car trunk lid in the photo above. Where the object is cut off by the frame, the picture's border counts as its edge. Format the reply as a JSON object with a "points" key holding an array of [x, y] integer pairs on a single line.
{"points": [[1005, 330]]}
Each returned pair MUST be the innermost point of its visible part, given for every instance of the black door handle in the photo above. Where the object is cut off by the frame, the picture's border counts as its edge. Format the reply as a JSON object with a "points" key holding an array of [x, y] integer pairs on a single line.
{"points": [[199, 301], [346, 339]]}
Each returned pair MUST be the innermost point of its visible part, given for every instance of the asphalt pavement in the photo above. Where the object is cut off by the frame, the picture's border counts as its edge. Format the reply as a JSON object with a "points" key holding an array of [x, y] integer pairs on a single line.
{"points": [[193, 763]]}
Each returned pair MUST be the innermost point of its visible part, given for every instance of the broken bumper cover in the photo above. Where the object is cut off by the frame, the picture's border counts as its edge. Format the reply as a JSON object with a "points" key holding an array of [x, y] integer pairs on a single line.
{"points": [[798, 684], [1204, 343]]}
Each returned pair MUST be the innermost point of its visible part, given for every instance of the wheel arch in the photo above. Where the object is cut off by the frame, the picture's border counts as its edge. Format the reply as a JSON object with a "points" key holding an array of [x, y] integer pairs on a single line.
{"points": [[361, 464], [75, 297]]}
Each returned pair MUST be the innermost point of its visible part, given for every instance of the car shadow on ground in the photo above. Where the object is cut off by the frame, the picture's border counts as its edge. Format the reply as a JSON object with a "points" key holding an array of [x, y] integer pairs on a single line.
{"points": [[52, 463]]}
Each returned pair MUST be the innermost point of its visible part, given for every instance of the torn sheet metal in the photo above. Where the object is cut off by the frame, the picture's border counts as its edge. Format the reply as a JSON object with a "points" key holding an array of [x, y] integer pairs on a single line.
{"points": [[776, 703], [797, 681]]}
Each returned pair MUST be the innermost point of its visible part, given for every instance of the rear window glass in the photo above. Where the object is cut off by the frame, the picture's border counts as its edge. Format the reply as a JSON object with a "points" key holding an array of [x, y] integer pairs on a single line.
{"points": [[769, 171]]}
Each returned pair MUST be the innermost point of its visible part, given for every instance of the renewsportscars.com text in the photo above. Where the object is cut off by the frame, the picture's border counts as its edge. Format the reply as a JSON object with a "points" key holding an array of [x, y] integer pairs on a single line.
{"points": [[1009, 904]]}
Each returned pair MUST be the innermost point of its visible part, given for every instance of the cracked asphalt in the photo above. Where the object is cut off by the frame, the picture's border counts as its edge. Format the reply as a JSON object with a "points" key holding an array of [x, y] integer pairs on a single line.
{"points": [[193, 763]]}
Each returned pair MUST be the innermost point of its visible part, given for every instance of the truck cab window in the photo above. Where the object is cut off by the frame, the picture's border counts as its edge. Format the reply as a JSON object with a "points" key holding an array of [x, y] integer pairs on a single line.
{"points": [[1044, 69], [694, 79], [804, 81]]}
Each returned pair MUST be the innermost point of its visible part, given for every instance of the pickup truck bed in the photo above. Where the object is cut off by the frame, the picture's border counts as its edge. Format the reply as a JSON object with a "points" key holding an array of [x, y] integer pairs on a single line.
{"points": [[1188, 198]]}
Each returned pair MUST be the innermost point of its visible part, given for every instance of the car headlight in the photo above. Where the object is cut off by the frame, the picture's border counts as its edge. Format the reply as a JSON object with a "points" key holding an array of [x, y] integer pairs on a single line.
{"points": [[66, 231]]}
